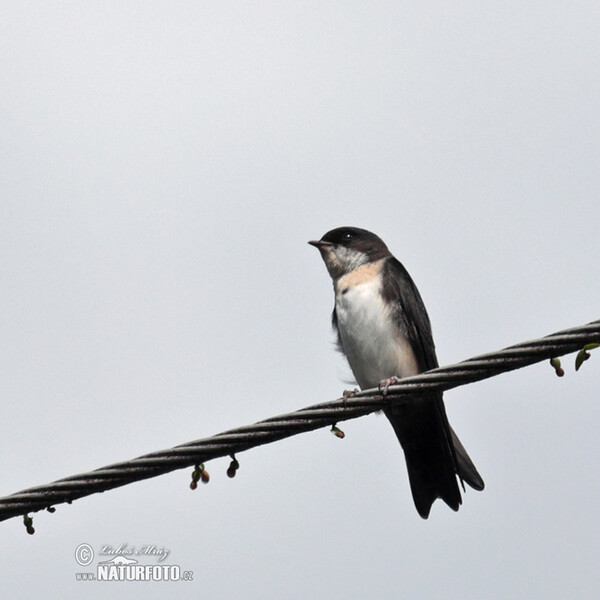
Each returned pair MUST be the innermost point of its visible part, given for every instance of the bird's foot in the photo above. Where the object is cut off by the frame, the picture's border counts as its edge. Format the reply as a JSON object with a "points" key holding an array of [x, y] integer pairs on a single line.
{"points": [[385, 384], [348, 394]]}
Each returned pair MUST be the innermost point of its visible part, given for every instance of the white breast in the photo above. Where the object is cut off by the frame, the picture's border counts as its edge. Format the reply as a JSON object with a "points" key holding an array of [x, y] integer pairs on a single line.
{"points": [[370, 340]]}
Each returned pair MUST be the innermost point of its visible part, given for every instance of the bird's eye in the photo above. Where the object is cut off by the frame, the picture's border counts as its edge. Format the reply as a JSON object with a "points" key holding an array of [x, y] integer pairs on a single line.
{"points": [[348, 235]]}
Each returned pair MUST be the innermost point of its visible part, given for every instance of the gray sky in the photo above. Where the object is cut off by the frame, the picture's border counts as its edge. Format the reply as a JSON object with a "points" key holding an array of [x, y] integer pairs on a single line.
{"points": [[163, 165]]}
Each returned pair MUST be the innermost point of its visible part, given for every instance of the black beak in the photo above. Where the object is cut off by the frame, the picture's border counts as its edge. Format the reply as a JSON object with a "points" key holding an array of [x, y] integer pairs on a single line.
{"points": [[319, 243]]}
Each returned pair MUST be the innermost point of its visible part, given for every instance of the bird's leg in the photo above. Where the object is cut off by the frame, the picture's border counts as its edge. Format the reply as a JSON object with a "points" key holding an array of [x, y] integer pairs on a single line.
{"points": [[385, 384], [348, 394]]}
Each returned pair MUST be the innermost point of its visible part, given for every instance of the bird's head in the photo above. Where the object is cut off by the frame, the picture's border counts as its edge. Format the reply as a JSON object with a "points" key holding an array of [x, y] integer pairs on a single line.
{"points": [[346, 248]]}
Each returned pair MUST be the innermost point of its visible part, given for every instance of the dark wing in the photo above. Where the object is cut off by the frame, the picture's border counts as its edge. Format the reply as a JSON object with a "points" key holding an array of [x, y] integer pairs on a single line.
{"points": [[433, 451], [336, 329], [409, 312]]}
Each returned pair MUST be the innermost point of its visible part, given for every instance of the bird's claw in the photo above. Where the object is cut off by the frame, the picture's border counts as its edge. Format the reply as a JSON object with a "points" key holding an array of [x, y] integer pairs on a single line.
{"points": [[348, 394], [385, 384]]}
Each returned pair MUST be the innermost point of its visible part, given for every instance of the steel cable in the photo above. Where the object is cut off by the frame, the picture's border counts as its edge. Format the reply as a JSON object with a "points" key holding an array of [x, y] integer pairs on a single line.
{"points": [[306, 419]]}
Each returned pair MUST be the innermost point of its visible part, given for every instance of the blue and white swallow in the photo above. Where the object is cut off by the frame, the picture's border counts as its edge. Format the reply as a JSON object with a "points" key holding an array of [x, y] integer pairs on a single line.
{"points": [[384, 331]]}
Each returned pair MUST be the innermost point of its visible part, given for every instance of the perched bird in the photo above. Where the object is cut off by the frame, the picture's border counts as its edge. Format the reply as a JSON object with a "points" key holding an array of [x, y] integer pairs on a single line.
{"points": [[384, 331]]}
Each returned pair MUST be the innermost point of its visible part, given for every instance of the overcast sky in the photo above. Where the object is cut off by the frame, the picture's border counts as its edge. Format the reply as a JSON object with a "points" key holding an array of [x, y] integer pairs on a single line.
{"points": [[163, 165]]}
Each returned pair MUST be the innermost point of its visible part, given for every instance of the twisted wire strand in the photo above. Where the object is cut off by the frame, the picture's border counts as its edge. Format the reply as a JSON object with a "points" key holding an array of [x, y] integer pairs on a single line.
{"points": [[306, 419]]}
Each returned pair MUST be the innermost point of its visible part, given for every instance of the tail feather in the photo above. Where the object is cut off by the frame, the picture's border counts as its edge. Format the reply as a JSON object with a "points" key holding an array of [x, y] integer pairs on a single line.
{"points": [[434, 454], [466, 469]]}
